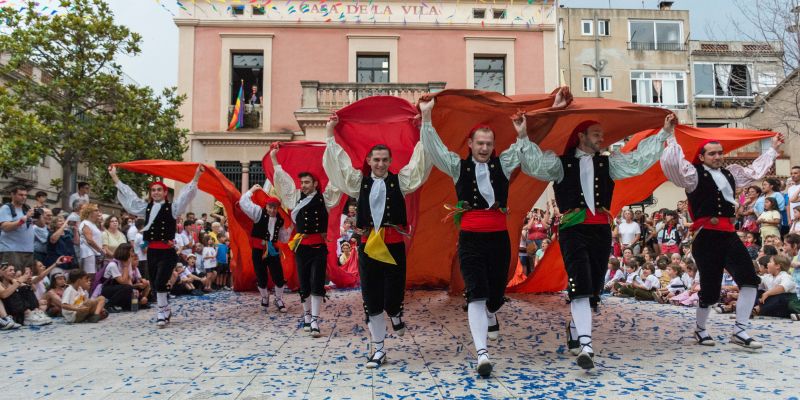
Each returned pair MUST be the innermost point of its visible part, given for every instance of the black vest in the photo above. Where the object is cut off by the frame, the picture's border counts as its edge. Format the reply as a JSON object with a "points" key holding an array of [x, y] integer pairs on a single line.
{"points": [[569, 194], [261, 228], [163, 227], [706, 200], [467, 185], [313, 218], [395, 211]]}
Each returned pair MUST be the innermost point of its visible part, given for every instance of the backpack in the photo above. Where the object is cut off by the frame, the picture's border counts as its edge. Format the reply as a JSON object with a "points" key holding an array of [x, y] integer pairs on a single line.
{"points": [[25, 209]]}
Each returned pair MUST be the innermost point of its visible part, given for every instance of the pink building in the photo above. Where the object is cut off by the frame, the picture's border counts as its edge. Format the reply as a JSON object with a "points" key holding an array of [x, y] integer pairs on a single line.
{"points": [[297, 61]]}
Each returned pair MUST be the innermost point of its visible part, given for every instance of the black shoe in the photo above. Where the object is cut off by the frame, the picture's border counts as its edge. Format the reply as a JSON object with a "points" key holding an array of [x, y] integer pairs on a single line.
{"points": [[573, 345], [704, 340], [113, 309], [494, 330], [400, 328]]}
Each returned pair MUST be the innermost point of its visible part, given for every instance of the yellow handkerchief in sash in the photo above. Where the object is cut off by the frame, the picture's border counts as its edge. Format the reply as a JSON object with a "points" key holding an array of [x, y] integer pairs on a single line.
{"points": [[295, 241], [376, 248]]}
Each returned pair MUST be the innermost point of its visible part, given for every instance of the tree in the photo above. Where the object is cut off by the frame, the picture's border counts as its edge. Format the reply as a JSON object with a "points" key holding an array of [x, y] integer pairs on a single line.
{"points": [[85, 111]]}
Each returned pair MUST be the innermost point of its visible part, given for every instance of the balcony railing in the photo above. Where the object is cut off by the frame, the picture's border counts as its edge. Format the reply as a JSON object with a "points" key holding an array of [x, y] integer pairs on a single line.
{"points": [[327, 96], [656, 46], [252, 115]]}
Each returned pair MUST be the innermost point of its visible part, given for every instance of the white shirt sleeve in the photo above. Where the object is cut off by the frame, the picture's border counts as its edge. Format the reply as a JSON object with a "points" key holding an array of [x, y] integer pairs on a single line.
{"points": [[744, 176], [248, 207], [510, 157], [416, 172], [184, 198], [331, 195], [444, 159], [339, 167], [676, 168], [789, 285], [625, 165], [544, 166], [130, 201], [285, 187]]}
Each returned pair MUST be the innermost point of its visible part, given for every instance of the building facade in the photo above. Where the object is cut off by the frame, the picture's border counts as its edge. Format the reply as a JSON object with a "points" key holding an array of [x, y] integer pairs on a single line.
{"points": [[295, 63]]}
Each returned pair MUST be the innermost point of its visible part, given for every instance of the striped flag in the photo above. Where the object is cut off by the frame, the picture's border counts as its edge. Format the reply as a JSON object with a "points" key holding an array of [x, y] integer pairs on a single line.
{"points": [[237, 120]]}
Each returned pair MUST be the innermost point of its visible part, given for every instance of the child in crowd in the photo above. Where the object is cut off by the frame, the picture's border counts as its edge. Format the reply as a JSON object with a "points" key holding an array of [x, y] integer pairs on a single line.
{"points": [[186, 282], [139, 283], [690, 297], [776, 290], [675, 285], [76, 305], [625, 289], [210, 263], [58, 284], [650, 284], [729, 294], [223, 267], [612, 274]]}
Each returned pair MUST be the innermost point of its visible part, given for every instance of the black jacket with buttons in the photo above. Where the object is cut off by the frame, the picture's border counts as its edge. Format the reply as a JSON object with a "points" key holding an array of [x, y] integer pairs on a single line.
{"points": [[394, 212], [163, 227], [467, 185], [261, 228], [313, 218], [569, 194], [706, 200]]}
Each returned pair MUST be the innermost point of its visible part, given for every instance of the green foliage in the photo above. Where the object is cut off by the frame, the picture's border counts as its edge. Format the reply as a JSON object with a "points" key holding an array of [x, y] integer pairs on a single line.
{"points": [[80, 111]]}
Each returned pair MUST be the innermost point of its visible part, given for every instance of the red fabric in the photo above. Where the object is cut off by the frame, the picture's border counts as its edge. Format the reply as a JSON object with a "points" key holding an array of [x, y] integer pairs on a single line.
{"points": [[159, 245], [159, 183], [483, 221], [582, 127], [723, 224], [312, 239], [702, 144], [477, 127], [297, 157], [600, 218], [351, 266], [215, 184], [257, 243], [548, 276], [519, 275]]}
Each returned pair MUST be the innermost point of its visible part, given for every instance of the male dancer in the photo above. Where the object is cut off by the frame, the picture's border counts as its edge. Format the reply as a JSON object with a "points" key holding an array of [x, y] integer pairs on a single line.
{"points": [[583, 185], [382, 252], [710, 189], [310, 216], [268, 229], [484, 249], [159, 232]]}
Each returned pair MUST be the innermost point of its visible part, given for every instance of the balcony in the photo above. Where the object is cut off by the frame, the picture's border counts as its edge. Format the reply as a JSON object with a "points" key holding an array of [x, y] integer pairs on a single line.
{"points": [[319, 99], [656, 46], [252, 115]]}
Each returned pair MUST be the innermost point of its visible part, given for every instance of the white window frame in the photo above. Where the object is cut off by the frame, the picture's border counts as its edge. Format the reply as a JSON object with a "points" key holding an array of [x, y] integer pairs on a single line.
{"points": [[750, 67], [603, 26], [655, 30], [608, 85], [584, 23], [588, 84], [650, 103]]}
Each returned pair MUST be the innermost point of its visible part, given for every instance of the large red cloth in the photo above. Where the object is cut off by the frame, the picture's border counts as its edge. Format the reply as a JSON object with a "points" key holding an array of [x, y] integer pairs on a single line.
{"points": [[432, 259]]}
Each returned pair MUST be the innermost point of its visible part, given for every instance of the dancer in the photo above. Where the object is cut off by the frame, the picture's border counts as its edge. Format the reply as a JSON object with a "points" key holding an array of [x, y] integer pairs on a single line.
{"points": [[310, 216], [583, 185], [710, 189], [159, 232], [484, 250], [382, 252], [268, 230]]}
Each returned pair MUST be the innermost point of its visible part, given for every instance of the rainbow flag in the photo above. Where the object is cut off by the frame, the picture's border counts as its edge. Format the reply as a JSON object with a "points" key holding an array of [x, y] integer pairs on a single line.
{"points": [[237, 121]]}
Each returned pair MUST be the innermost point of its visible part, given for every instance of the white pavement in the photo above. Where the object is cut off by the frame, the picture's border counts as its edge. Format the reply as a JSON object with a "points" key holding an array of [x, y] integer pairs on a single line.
{"points": [[221, 346]]}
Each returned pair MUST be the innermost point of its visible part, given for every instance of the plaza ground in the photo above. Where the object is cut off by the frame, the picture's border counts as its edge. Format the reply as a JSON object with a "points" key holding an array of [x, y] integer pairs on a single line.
{"points": [[221, 346]]}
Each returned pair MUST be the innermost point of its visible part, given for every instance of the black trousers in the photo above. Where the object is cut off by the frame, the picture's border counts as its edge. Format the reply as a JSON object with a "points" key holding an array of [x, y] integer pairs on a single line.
{"points": [[484, 258], [777, 305], [383, 286], [118, 295], [585, 249], [714, 251], [161, 263], [311, 263], [21, 300], [271, 264]]}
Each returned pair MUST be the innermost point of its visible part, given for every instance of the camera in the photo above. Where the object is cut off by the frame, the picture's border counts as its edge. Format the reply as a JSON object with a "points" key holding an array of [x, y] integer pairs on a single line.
{"points": [[37, 213]]}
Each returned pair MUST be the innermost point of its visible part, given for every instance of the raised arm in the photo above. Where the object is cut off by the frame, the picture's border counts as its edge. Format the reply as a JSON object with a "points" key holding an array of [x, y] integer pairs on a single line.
{"points": [[444, 159], [331, 195], [252, 210], [283, 183], [187, 194], [744, 176], [626, 165], [544, 166], [416, 172], [338, 165], [676, 168], [127, 197]]}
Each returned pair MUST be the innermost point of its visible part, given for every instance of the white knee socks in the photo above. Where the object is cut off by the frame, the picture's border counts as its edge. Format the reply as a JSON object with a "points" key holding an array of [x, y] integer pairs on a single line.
{"points": [[478, 324], [377, 329], [492, 318], [162, 299], [702, 317], [306, 311], [744, 306], [279, 293], [264, 294], [316, 305], [582, 317]]}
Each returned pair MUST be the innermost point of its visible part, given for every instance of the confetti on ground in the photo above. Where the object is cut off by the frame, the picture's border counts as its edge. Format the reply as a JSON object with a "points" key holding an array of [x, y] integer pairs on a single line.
{"points": [[223, 346]]}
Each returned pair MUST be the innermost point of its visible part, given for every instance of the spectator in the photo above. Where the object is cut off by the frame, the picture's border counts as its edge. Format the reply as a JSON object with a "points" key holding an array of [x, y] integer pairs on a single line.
{"points": [[76, 305], [625, 289], [117, 281], [139, 283], [538, 229], [185, 282], [183, 240], [216, 229], [17, 238], [82, 194], [140, 249], [629, 232], [209, 255], [778, 289], [133, 228], [746, 212], [540, 252], [40, 200], [749, 241], [91, 239], [771, 187], [223, 267], [793, 194], [770, 219], [112, 236], [346, 253], [675, 286], [58, 282], [40, 278], [647, 290], [669, 237], [6, 321], [18, 297], [42, 218], [62, 242], [612, 274], [795, 227]]}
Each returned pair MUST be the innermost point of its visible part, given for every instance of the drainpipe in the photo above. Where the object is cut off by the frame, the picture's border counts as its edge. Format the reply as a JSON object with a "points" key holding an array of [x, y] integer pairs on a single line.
{"points": [[596, 54]]}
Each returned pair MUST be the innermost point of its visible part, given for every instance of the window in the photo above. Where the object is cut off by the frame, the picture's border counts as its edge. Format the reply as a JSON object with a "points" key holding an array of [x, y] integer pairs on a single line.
{"points": [[256, 173], [499, 14], [259, 10], [655, 35], [586, 27], [722, 80], [659, 88], [247, 72], [479, 13], [237, 10], [490, 73], [232, 170], [372, 68], [605, 83], [588, 84], [602, 27]]}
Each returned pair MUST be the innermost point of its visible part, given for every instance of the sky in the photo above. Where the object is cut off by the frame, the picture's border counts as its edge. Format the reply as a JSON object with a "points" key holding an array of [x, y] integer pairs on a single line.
{"points": [[157, 65]]}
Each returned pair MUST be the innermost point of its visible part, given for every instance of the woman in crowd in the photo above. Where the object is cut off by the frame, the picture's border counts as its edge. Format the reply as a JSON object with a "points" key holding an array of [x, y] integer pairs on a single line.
{"points": [[537, 228], [64, 237], [629, 232], [91, 239], [346, 253], [18, 298], [117, 281], [746, 215], [540, 252], [112, 236]]}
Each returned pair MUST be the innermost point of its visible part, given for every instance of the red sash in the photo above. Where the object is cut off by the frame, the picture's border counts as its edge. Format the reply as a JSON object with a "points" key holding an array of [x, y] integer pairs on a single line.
{"points": [[483, 221], [723, 224]]}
